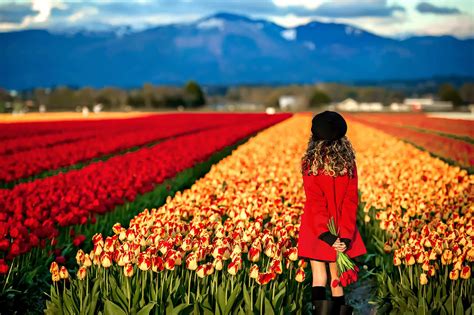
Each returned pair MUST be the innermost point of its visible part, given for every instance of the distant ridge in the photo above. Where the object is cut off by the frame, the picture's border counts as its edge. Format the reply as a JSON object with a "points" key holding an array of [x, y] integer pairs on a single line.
{"points": [[225, 48]]}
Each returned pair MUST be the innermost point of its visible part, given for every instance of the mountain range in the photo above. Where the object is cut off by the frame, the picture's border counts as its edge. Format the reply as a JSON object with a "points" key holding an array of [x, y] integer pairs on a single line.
{"points": [[225, 48]]}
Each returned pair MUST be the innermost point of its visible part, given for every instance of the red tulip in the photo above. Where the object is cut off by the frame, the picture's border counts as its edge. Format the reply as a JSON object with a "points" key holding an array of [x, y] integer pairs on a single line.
{"points": [[78, 240]]}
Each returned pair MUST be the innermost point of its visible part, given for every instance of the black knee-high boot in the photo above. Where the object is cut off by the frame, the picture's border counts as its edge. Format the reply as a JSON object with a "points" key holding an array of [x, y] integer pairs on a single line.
{"points": [[340, 307], [321, 306]]}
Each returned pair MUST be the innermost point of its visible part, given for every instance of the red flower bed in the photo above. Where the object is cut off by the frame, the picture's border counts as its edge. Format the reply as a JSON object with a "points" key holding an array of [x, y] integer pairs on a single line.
{"points": [[16, 145], [458, 127], [456, 150], [31, 212], [106, 138], [24, 130]]}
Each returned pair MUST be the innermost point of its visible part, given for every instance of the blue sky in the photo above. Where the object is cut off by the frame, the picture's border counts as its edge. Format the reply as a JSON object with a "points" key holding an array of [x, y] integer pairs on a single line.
{"points": [[394, 18]]}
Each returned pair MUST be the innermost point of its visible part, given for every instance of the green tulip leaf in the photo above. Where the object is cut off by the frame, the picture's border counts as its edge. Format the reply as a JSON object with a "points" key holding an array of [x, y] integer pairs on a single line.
{"points": [[268, 307], [111, 308], [231, 300], [459, 306], [145, 310]]}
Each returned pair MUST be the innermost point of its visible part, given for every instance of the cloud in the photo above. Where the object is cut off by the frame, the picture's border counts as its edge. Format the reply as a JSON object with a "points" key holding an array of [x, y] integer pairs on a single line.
{"points": [[425, 7], [15, 13], [387, 17], [364, 8], [310, 4]]}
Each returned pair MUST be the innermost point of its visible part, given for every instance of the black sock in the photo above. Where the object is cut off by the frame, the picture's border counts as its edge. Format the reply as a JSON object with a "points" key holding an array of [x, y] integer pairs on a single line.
{"points": [[339, 299], [318, 293]]}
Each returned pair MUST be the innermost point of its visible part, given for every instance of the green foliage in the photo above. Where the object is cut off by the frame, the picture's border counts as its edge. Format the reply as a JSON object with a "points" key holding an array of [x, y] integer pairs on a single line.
{"points": [[319, 98], [447, 92], [193, 95], [467, 92]]}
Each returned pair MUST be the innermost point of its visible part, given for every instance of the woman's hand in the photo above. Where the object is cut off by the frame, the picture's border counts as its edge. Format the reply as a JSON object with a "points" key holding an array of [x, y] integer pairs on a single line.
{"points": [[339, 246]]}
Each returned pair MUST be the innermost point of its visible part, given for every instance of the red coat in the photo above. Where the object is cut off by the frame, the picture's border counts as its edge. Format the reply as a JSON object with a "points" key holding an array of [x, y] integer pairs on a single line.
{"points": [[320, 206]]}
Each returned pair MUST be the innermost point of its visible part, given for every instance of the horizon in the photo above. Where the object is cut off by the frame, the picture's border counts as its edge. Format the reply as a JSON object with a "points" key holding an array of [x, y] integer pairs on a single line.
{"points": [[394, 19]]}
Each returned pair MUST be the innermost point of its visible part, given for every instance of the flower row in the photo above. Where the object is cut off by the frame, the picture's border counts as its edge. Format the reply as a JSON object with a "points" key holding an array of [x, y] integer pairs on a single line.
{"points": [[457, 150], [24, 130], [109, 139], [421, 210], [457, 127], [32, 212]]}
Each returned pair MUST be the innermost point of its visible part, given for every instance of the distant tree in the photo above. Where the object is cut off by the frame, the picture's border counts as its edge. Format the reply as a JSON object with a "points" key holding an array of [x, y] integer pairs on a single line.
{"points": [[148, 94], [467, 92], [194, 95], [41, 96], [111, 97], [233, 94], [166, 96], [272, 99], [318, 98], [135, 98], [447, 92], [63, 97], [372, 94], [86, 96]]}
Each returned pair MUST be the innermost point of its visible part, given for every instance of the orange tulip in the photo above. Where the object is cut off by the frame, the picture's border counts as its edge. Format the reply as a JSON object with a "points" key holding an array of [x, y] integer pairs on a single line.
{"points": [[466, 272], [423, 279], [266, 277], [128, 270], [300, 275], [63, 273], [81, 273], [454, 274]]}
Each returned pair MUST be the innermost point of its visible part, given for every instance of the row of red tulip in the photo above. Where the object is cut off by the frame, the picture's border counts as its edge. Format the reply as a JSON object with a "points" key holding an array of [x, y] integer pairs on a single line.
{"points": [[31, 212], [24, 130], [106, 139], [457, 127], [459, 151]]}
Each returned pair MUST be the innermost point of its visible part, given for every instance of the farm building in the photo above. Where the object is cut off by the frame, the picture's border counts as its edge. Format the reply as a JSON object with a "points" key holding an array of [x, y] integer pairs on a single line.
{"points": [[427, 105]]}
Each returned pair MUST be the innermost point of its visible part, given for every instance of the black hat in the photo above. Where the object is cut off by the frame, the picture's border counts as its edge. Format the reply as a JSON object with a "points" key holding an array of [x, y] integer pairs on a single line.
{"points": [[328, 125]]}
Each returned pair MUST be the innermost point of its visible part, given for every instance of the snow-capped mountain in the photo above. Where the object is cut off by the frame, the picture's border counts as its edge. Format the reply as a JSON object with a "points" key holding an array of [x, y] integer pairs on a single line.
{"points": [[224, 49]]}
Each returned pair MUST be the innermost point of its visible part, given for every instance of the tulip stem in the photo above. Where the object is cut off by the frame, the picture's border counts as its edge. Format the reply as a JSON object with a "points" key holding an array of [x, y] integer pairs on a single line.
{"points": [[128, 293], [251, 297], [400, 272], [197, 295], [452, 301], [81, 294], [411, 277], [157, 287], [189, 289]]}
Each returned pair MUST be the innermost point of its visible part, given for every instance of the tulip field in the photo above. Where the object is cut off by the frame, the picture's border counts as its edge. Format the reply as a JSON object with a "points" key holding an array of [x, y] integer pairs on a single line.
{"points": [[200, 213], [451, 140]]}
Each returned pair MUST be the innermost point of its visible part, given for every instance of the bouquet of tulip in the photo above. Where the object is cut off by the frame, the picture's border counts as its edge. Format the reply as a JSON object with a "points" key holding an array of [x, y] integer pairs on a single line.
{"points": [[346, 268]]}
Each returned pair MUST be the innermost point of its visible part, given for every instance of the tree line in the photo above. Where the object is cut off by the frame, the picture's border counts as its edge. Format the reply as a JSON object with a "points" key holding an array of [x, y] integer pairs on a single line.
{"points": [[324, 93], [148, 96], [191, 95]]}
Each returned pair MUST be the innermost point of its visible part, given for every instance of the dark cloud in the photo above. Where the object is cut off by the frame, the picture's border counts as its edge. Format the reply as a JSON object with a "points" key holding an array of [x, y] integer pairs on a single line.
{"points": [[353, 8], [15, 13], [357, 9], [182, 8], [425, 7]]}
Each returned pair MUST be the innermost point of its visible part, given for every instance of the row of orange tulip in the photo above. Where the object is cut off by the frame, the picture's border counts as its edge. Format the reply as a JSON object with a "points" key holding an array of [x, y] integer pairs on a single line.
{"points": [[420, 210]]}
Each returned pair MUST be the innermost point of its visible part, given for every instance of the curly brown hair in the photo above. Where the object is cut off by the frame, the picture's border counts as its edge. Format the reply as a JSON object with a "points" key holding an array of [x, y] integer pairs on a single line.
{"points": [[334, 158]]}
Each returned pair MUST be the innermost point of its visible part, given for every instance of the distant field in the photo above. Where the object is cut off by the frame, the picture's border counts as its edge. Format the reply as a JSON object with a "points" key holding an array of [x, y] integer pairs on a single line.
{"points": [[447, 138], [8, 118]]}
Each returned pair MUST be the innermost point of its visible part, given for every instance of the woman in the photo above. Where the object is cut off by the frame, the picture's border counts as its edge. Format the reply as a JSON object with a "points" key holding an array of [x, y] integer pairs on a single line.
{"points": [[330, 183]]}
